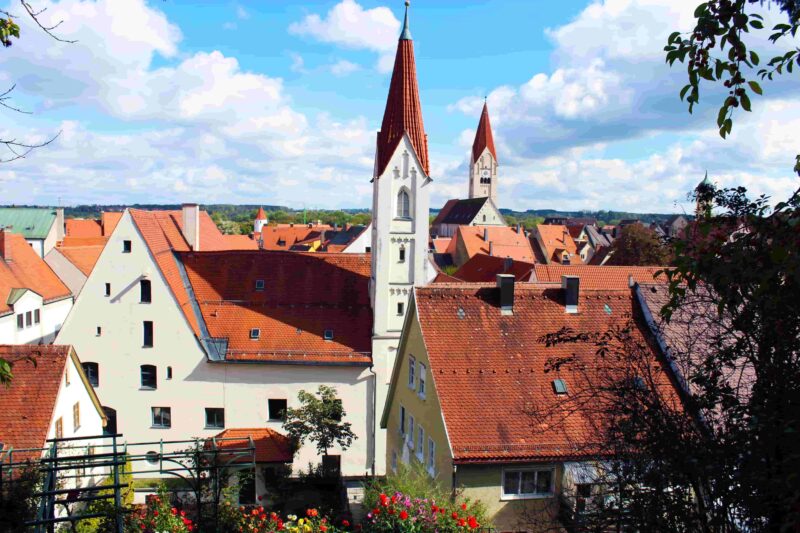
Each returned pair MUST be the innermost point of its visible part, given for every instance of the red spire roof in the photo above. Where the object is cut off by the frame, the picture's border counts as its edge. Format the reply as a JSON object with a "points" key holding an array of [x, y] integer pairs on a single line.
{"points": [[403, 111], [483, 137], [261, 215]]}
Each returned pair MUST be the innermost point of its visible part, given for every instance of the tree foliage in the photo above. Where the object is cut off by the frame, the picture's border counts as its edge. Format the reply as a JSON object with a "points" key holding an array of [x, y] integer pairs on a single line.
{"points": [[719, 49], [639, 246], [320, 419]]}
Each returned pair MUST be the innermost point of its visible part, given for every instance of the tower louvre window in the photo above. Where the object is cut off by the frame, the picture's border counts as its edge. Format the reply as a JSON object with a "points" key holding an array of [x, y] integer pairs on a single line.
{"points": [[403, 205]]}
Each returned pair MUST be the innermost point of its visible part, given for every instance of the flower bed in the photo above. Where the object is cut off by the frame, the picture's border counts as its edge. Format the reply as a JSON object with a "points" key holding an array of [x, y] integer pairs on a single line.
{"points": [[401, 512]]}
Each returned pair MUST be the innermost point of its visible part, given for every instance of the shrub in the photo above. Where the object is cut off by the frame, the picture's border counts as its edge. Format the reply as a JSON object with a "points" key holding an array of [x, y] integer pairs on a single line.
{"points": [[159, 515]]}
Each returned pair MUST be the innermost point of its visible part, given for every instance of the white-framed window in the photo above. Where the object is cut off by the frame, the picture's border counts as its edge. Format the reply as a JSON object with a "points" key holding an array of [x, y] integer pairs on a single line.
{"points": [[431, 456], [410, 436], [422, 371], [259, 284], [522, 483], [403, 204], [420, 444], [402, 420], [412, 368]]}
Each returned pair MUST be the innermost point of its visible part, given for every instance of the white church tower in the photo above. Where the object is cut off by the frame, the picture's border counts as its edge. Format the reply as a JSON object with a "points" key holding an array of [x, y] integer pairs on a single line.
{"points": [[261, 220], [483, 161], [400, 207]]}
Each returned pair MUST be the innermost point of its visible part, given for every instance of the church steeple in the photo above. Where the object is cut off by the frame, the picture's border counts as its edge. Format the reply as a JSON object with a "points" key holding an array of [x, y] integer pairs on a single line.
{"points": [[483, 160], [403, 114]]}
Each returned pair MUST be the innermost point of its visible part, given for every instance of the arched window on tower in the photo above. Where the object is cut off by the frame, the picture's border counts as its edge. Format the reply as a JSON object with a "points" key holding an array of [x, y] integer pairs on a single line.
{"points": [[403, 204]]}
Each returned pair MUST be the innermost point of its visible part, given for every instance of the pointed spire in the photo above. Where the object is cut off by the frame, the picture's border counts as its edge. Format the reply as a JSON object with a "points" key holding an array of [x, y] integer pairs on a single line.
{"points": [[483, 137], [705, 180], [261, 215], [405, 35], [403, 114]]}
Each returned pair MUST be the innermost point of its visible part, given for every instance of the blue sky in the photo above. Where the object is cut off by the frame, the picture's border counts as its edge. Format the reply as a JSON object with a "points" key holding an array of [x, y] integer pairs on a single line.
{"points": [[277, 102]]}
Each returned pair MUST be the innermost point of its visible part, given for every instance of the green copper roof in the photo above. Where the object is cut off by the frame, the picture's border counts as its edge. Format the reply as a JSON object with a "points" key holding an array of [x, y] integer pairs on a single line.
{"points": [[406, 34], [31, 223]]}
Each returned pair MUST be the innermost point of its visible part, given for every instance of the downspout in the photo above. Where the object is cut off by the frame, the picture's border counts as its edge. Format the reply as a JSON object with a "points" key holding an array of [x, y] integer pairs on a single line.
{"points": [[374, 414], [455, 483]]}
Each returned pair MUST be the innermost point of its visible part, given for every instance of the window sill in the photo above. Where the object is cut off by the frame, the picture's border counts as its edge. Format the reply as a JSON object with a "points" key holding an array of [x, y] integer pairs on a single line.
{"points": [[276, 420], [403, 218], [214, 427], [421, 396], [147, 346], [160, 427], [148, 388], [141, 302]]}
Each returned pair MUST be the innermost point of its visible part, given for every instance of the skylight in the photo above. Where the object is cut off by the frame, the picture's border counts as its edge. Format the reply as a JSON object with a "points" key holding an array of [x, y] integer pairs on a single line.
{"points": [[560, 386], [255, 333], [328, 334], [259, 284]]}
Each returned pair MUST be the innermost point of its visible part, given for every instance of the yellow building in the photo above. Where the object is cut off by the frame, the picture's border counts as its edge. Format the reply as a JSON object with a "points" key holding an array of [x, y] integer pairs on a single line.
{"points": [[470, 376]]}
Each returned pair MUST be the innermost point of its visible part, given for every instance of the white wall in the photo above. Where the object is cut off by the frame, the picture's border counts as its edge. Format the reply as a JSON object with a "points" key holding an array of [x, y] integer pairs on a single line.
{"points": [[362, 242], [242, 390], [51, 315], [91, 424], [37, 245]]}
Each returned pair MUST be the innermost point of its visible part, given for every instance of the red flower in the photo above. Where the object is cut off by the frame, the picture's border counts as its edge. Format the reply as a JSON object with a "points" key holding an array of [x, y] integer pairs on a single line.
{"points": [[473, 524], [183, 513], [403, 515], [384, 500], [394, 498], [376, 511], [345, 523], [254, 512], [323, 528], [155, 513], [434, 509], [455, 515], [188, 527], [463, 506], [173, 511], [259, 498], [391, 511], [461, 523]]}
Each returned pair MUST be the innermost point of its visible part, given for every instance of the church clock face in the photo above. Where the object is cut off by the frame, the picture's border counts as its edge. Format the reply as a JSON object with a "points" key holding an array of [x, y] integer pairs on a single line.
{"points": [[486, 173]]}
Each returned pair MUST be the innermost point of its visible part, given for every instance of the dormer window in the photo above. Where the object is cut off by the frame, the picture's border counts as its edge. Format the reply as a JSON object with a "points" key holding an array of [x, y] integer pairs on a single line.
{"points": [[328, 336], [259, 284], [255, 334], [403, 205]]}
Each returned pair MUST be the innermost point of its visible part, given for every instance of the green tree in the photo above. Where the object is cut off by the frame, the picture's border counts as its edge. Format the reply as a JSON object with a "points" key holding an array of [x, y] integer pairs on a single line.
{"points": [[639, 246], [320, 420]]}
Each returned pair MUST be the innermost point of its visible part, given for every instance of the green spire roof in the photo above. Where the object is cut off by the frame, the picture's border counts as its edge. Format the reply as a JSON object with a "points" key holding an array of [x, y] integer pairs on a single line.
{"points": [[406, 33]]}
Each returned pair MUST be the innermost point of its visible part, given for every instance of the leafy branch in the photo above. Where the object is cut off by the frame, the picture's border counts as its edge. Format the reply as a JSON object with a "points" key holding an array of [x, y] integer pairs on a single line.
{"points": [[723, 26]]}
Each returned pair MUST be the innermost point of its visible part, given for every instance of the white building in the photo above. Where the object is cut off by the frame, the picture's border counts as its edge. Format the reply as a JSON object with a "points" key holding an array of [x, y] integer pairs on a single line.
{"points": [[33, 301], [50, 397]]}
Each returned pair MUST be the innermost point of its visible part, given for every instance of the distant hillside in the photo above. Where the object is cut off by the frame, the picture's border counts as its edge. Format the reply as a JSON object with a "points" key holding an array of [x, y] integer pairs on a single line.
{"points": [[242, 216]]}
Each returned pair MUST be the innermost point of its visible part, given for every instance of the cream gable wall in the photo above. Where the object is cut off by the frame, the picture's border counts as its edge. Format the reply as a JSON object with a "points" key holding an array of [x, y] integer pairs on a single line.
{"points": [[241, 389], [427, 412], [476, 188]]}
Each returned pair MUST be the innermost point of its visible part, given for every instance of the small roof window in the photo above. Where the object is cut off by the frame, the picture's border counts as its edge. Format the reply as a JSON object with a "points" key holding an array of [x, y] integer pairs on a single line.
{"points": [[560, 386], [259, 284], [255, 333], [328, 335]]}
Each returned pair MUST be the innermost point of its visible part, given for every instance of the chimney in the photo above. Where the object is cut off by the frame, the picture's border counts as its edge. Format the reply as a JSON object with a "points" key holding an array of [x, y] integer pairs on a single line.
{"points": [[5, 246], [191, 226], [61, 229], [505, 285], [491, 248], [507, 264], [571, 286], [519, 229], [486, 234], [630, 281]]}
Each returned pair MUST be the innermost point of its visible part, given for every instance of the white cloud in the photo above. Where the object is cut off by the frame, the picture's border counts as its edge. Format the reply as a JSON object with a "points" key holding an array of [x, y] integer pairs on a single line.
{"points": [[343, 68], [349, 25], [241, 13]]}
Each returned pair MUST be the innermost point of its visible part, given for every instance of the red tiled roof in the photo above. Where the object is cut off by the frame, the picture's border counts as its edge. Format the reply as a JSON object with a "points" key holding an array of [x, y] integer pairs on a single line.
{"points": [[597, 277], [26, 406], [440, 244], [490, 370], [237, 242], [506, 242], [109, 221], [483, 137], [161, 231], [284, 237], [441, 277], [444, 211], [83, 241], [83, 257], [304, 295], [26, 270], [79, 227], [484, 268], [403, 114], [556, 239], [270, 446]]}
